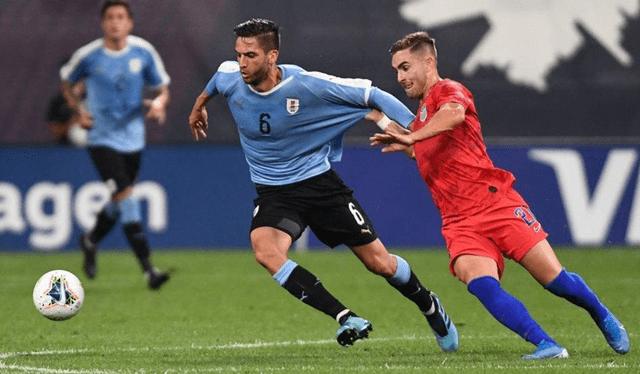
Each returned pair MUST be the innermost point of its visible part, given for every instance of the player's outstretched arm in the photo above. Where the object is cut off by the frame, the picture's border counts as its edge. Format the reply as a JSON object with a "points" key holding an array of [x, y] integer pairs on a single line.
{"points": [[199, 119], [446, 118], [392, 129]]}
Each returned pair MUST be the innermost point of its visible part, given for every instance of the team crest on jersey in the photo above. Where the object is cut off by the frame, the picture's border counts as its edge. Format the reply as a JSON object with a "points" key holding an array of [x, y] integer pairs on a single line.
{"points": [[135, 64], [293, 105], [423, 113]]}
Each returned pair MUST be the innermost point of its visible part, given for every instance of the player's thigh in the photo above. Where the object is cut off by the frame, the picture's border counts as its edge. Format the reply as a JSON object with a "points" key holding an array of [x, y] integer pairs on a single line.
{"points": [[466, 247], [341, 220], [470, 267], [513, 227], [132, 165], [541, 262], [279, 214], [112, 167]]}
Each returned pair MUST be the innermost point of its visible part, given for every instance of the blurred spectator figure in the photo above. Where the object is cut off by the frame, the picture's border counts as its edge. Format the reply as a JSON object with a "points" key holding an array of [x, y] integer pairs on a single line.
{"points": [[62, 123]]}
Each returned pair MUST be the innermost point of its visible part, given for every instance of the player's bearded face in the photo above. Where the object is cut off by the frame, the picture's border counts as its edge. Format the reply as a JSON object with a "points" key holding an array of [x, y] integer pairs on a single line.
{"points": [[253, 61]]}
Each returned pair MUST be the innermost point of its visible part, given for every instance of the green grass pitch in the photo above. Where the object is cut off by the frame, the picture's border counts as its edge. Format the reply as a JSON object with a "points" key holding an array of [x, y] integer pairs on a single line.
{"points": [[222, 313]]}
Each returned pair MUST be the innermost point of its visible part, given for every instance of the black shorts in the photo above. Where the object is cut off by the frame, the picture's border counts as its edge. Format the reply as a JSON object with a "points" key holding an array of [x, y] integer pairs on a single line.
{"points": [[118, 170], [322, 202]]}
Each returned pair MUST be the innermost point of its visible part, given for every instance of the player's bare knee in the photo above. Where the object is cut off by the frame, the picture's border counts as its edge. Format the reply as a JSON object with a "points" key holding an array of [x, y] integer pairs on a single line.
{"points": [[263, 255]]}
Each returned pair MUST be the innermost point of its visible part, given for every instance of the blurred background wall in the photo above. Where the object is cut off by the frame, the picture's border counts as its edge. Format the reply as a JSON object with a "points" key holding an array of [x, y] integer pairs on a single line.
{"points": [[536, 67], [546, 74]]}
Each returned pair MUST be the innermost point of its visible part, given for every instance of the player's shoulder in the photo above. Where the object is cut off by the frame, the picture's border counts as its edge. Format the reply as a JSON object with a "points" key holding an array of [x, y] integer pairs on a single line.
{"points": [[85, 55], [229, 67], [138, 42], [88, 49], [450, 86], [317, 77], [450, 83], [227, 78], [290, 69]]}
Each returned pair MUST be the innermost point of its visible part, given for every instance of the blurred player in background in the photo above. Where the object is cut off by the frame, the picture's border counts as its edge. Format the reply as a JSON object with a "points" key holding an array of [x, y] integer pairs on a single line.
{"points": [[116, 69], [291, 124], [483, 217], [62, 122]]}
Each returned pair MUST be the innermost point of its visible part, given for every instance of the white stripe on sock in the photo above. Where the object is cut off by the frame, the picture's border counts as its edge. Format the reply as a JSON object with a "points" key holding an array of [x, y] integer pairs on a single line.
{"points": [[341, 314]]}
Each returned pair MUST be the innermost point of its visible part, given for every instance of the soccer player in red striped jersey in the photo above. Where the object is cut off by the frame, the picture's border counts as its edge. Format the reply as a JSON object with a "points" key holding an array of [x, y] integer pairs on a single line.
{"points": [[484, 219]]}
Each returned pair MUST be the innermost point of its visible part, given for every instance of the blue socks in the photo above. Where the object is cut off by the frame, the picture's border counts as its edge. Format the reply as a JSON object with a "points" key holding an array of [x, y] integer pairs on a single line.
{"points": [[571, 287], [507, 309], [130, 211], [282, 275], [403, 272]]}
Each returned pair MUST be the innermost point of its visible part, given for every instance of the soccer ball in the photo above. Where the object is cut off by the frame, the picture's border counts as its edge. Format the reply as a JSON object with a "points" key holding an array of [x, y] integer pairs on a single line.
{"points": [[58, 295]]}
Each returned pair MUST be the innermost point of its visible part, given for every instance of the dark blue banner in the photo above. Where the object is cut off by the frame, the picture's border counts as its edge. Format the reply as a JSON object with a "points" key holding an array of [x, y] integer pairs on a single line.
{"points": [[202, 196]]}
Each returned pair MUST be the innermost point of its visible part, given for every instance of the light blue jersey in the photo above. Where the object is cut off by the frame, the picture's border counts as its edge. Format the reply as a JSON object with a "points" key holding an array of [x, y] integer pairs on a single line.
{"points": [[293, 132], [115, 82]]}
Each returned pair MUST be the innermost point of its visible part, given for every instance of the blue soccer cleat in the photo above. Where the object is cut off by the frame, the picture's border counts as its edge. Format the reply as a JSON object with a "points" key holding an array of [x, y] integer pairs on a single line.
{"points": [[547, 350], [615, 333], [449, 341], [354, 328]]}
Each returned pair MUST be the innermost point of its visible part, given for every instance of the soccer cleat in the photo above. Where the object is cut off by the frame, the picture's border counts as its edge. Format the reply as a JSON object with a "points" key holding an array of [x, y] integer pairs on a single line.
{"points": [[547, 350], [89, 263], [354, 328], [449, 341], [615, 333], [156, 278]]}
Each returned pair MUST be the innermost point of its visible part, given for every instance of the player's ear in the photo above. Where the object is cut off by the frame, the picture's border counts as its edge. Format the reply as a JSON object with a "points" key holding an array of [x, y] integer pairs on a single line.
{"points": [[431, 62], [272, 56]]}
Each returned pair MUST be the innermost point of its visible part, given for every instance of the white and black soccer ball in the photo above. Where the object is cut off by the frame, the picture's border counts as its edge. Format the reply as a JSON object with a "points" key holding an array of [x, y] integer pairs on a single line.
{"points": [[58, 295]]}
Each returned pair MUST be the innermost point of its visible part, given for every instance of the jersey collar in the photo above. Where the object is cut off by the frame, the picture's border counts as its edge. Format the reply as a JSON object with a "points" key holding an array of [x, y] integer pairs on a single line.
{"points": [[277, 87], [119, 53]]}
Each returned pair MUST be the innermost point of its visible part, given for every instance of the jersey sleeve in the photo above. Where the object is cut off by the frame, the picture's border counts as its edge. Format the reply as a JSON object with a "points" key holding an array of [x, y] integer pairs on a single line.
{"points": [[345, 91], [217, 84], [155, 74], [454, 92], [75, 69], [391, 106]]}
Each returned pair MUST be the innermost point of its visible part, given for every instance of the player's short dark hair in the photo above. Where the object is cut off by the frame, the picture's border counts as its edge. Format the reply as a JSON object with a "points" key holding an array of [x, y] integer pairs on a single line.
{"points": [[417, 41], [109, 3], [267, 32]]}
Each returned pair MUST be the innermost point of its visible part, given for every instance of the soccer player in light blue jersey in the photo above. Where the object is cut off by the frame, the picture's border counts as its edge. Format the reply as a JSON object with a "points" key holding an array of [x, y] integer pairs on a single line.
{"points": [[116, 69], [291, 124]]}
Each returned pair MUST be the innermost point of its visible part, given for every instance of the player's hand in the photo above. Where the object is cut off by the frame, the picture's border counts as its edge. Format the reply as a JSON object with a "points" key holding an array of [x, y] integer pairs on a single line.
{"points": [[85, 120], [156, 111], [392, 141], [392, 137], [198, 123]]}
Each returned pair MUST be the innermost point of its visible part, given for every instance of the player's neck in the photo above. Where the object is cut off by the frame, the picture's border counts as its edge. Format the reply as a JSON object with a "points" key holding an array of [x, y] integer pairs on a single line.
{"points": [[273, 79], [115, 44], [431, 81]]}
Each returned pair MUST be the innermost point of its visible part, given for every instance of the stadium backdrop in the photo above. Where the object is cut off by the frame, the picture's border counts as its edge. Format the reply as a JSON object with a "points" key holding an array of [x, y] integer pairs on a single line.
{"points": [[201, 197]]}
